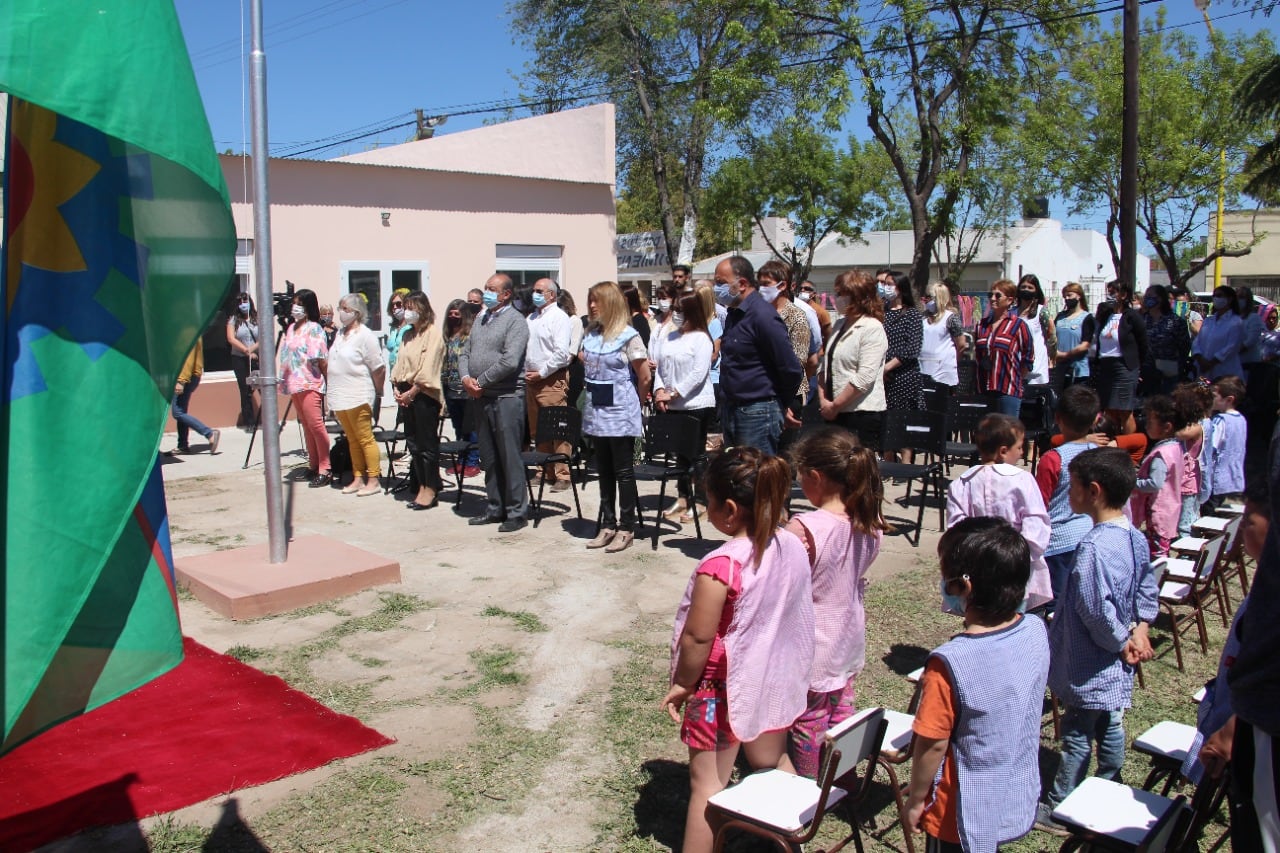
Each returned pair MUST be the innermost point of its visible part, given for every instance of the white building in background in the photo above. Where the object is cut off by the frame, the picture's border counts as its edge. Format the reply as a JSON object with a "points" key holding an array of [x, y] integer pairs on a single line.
{"points": [[1044, 247]]}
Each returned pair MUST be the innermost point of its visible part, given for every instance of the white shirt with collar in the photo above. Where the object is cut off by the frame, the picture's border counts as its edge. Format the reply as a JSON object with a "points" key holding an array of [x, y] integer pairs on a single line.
{"points": [[550, 340]]}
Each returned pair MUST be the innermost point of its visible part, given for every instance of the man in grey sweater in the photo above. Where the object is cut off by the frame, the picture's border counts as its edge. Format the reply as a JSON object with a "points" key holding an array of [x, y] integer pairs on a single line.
{"points": [[492, 368]]}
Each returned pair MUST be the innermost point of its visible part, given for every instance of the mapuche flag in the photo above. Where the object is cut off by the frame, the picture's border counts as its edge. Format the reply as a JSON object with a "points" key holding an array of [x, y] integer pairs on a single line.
{"points": [[118, 248]]}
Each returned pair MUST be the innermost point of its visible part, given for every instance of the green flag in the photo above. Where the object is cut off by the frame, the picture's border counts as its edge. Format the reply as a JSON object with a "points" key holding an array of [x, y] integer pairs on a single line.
{"points": [[119, 247]]}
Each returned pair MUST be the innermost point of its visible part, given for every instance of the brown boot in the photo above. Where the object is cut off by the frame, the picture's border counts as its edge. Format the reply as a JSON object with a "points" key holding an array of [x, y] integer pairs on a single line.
{"points": [[621, 542], [603, 538]]}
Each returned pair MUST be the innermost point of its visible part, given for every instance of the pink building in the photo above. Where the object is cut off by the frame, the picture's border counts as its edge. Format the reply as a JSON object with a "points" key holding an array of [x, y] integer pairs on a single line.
{"points": [[530, 198]]}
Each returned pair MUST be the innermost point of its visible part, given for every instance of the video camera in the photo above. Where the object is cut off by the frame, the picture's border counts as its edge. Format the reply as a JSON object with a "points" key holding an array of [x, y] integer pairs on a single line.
{"points": [[282, 305]]}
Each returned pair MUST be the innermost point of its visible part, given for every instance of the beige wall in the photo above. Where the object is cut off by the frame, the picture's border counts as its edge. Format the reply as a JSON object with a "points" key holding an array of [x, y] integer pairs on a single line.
{"points": [[1241, 227]]}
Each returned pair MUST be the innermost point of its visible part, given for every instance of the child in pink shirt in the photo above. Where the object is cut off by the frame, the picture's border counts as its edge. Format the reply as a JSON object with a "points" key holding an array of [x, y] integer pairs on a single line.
{"points": [[842, 538], [1157, 498], [744, 634], [1000, 489]]}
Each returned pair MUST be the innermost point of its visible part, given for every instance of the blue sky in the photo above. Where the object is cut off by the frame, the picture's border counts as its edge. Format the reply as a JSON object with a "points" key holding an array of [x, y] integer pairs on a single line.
{"points": [[337, 68]]}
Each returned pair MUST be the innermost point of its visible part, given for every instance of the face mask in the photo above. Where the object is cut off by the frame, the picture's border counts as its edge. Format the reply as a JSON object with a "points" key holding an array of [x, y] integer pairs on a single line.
{"points": [[931, 307], [1220, 303], [398, 313], [842, 304], [325, 319], [1071, 303], [952, 603], [664, 305], [722, 293], [1026, 295], [346, 318], [1150, 302], [677, 319], [539, 298], [299, 312], [805, 295], [244, 307], [888, 292], [411, 317], [490, 299], [769, 292]]}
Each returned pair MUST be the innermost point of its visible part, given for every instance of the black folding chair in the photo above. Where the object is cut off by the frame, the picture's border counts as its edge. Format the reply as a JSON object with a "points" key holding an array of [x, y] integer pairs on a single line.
{"points": [[673, 446], [963, 415], [555, 424], [924, 433], [1036, 415], [455, 453]]}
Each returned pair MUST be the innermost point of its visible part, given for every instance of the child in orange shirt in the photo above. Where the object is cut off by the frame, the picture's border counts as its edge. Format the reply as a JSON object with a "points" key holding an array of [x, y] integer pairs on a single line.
{"points": [[980, 698]]}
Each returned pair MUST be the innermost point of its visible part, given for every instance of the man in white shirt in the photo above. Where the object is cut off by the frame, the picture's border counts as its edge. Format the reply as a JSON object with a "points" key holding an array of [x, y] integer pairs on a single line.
{"points": [[546, 366]]}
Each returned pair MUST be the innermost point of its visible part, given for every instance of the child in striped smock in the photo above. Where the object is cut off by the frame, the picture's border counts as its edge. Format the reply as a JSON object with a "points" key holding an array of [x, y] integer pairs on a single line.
{"points": [[1228, 443], [1195, 401], [842, 538], [974, 767], [1077, 410], [744, 634]]}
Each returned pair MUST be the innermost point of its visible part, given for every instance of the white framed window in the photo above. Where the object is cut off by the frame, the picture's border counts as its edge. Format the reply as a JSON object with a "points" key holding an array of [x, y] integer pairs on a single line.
{"points": [[527, 264], [378, 279]]}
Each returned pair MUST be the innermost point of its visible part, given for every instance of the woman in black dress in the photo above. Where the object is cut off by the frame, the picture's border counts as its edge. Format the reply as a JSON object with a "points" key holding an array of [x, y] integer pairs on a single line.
{"points": [[902, 325]]}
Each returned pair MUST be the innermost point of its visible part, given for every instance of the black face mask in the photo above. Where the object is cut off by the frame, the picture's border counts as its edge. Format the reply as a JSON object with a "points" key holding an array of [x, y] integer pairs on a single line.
{"points": [[1026, 295], [1071, 303]]}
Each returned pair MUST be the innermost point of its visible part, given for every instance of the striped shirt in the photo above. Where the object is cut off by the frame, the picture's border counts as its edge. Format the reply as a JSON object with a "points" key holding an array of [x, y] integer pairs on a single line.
{"points": [[1005, 352]]}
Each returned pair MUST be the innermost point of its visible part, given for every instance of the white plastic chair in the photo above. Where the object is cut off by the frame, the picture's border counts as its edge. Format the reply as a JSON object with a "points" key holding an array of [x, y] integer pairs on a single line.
{"points": [[1107, 814]]}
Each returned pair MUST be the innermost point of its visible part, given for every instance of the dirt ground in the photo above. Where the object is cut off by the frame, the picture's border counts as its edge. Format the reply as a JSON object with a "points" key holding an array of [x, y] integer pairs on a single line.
{"points": [[416, 682]]}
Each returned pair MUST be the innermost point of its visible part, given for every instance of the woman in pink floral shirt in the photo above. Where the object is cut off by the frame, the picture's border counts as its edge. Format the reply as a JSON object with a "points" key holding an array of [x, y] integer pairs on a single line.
{"points": [[302, 361]]}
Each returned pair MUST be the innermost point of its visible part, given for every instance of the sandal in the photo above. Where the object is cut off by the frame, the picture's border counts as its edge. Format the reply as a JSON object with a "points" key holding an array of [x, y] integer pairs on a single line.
{"points": [[688, 516]]}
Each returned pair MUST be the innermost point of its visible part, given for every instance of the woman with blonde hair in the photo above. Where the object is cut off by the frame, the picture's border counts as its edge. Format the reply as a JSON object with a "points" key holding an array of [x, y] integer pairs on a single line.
{"points": [[356, 372], [1075, 332], [944, 339], [851, 381], [419, 390], [617, 379]]}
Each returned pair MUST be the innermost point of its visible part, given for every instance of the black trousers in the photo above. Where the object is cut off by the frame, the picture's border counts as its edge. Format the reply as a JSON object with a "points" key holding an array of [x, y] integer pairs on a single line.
{"points": [[422, 436], [615, 459], [242, 367]]}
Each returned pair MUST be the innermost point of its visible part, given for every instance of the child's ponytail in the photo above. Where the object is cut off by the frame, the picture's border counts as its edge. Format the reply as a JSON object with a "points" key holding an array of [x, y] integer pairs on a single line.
{"points": [[758, 483], [836, 454]]}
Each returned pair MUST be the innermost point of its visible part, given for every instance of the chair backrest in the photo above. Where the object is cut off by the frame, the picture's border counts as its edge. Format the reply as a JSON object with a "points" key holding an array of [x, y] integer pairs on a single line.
{"points": [[966, 375], [1210, 557], [915, 430], [559, 423], [963, 415], [669, 435], [1231, 533], [1165, 832], [852, 742]]}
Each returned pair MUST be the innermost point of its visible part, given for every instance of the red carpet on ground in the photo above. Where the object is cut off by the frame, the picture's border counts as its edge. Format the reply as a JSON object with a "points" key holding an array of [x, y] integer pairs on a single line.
{"points": [[209, 727]]}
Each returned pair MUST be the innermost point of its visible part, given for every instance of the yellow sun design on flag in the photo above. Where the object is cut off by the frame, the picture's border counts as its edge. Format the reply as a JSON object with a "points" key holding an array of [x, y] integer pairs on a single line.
{"points": [[55, 174]]}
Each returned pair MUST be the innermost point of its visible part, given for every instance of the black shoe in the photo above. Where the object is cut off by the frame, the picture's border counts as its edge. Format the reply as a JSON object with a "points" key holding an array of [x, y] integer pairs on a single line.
{"points": [[485, 519], [321, 480], [415, 505], [511, 525]]}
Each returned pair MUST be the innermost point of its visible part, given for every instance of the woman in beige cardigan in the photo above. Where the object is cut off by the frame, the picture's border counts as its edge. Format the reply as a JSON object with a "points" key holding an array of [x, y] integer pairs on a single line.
{"points": [[416, 379]]}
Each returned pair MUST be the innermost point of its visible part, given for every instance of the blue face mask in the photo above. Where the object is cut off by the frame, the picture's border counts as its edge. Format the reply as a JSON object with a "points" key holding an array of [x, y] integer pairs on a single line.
{"points": [[722, 293], [888, 292], [952, 603], [490, 299], [539, 298]]}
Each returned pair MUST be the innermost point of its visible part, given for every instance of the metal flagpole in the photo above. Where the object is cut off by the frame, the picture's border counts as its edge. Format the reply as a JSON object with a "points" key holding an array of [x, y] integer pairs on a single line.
{"points": [[267, 380]]}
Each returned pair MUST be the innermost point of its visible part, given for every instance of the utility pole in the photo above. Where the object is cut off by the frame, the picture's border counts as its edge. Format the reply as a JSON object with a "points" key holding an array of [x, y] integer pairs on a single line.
{"points": [[1129, 151]]}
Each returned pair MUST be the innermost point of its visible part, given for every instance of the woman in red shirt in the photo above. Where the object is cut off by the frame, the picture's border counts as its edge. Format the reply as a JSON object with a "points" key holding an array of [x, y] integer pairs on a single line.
{"points": [[1004, 349]]}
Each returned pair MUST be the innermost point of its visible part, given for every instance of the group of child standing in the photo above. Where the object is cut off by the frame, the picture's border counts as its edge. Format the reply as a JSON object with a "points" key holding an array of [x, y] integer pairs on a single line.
{"points": [[770, 635]]}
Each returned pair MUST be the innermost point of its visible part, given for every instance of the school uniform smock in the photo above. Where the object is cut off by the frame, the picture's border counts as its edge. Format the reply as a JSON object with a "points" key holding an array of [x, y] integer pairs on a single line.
{"points": [[613, 404]]}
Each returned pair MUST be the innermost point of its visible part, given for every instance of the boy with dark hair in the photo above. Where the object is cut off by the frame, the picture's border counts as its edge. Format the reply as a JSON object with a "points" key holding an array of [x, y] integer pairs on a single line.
{"points": [[1076, 413], [980, 698], [1099, 629], [1230, 434]]}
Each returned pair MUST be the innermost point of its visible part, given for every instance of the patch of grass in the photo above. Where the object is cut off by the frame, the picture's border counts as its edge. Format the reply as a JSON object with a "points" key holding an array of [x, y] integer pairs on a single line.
{"points": [[524, 620], [372, 663], [167, 835], [494, 668], [476, 578], [246, 654], [315, 610]]}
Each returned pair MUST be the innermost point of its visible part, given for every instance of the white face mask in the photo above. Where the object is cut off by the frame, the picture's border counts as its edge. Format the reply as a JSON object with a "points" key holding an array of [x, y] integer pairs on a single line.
{"points": [[769, 292], [931, 307], [411, 317], [299, 313], [346, 318], [677, 319], [398, 313], [805, 295], [664, 305]]}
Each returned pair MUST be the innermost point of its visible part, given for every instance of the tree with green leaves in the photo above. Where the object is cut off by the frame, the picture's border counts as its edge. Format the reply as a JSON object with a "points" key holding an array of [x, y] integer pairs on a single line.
{"points": [[1259, 106], [1186, 123], [937, 78], [679, 72]]}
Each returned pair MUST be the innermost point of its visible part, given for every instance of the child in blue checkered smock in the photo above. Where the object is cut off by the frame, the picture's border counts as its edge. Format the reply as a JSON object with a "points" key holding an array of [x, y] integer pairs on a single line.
{"points": [[1099, 629], [974, 768]]}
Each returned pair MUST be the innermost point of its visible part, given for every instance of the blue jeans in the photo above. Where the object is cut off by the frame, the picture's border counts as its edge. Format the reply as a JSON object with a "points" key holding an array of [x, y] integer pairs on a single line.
{"points": [[187, 422], [1007, 404], [1080, 728], [1190, 512], [757, 424]]}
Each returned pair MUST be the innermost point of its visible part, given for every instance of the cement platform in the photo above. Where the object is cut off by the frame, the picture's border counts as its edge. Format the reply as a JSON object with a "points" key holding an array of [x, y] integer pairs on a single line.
{"points": [[242, 584]]}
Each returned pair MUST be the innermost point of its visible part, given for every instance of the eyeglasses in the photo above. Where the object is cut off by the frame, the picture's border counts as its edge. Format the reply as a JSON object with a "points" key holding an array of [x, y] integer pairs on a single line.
{"points": [[995, 296], [397, 304]]}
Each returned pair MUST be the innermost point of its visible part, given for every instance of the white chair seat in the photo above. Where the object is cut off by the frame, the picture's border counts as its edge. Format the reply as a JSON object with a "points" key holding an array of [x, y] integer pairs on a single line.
{"points": [[897, 735], [1166, 739], [1174, 591], [1184, 569], [1210, 523], [1108, 808], [775, 798], [915, 675], [1199, 695], [1229, 510], [1188, 544]]}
